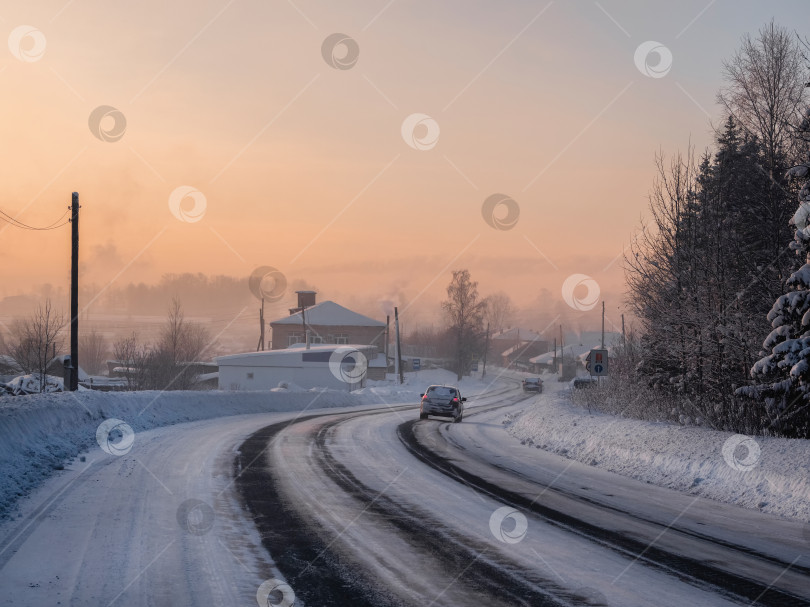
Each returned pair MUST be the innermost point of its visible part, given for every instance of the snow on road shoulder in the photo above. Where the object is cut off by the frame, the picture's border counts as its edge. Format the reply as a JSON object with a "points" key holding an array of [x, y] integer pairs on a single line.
{"points": [[41, 432], [768, 474]]}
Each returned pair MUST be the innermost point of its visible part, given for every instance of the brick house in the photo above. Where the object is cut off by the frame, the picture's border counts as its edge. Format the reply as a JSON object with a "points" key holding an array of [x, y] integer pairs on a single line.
{"points": [[328, 323]]}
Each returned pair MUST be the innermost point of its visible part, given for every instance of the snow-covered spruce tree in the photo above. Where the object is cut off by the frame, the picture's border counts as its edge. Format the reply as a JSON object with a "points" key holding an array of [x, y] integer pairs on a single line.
{"points": [[783, 376]]}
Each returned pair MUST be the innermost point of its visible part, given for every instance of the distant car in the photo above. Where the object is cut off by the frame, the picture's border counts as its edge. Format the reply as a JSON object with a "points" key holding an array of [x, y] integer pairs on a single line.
{"points": [[442, 401], [532, 384]]}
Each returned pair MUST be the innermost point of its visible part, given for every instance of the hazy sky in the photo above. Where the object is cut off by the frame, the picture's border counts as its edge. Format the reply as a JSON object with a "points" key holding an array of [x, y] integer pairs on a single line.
{"points": [[304, 166]]}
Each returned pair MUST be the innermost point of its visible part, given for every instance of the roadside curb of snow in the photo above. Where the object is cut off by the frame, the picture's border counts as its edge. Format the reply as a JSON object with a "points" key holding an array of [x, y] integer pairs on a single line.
{"points": [[40, 433], [687, 459]]}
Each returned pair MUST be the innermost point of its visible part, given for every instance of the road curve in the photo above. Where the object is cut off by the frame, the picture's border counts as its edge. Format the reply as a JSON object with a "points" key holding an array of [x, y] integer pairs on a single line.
{"points": [[371, 507], [160, 525], [376, 508]]}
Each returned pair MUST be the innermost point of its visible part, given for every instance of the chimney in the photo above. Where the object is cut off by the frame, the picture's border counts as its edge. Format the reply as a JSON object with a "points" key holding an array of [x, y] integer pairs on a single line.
{"points": [[306, 299]]}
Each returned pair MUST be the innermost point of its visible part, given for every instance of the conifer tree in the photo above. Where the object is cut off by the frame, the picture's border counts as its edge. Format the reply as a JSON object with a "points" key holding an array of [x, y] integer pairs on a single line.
{"points": [[784, 373]]}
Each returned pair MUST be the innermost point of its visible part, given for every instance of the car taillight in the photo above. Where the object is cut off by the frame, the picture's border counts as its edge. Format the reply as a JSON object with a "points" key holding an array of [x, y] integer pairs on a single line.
{"points": [[455, 400]]}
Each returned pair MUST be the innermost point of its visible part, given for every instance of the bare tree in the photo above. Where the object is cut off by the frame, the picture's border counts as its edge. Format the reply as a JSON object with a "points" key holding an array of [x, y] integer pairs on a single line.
{"points": [[765, 82], [499, 311], [181, 342], [133, 359], [35, 340], [465, 314], [93, 352]]}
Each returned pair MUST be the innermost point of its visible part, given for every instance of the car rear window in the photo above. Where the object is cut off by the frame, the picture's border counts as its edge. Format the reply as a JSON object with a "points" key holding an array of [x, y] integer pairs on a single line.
{"points": [[441, 391]]}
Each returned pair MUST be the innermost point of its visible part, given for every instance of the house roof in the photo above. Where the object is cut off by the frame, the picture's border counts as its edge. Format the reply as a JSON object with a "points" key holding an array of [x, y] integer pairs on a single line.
{"points": [[569, 352], [518, 333], [60, 362], [291, 357], [329, 314]]}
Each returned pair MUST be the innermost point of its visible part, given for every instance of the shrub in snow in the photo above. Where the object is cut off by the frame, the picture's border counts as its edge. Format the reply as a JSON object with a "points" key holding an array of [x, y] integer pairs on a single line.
{"points": [[783, 376], [35, 383]]}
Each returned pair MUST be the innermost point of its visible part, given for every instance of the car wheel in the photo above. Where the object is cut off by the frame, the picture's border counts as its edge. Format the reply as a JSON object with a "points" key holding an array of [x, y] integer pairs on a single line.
{"points": [[458, 418], [422, 415]]}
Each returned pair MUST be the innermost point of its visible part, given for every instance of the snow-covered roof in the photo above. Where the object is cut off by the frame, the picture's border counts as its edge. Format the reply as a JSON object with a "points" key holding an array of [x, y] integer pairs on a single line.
{"points": [[10, 363], [517, 333], [523, 345], [330, 314], [569, 352], [61, 361], [291, 356]]}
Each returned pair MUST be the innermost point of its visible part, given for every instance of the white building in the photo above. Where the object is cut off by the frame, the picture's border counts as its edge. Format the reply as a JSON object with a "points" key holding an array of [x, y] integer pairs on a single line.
{"points": [[343, 367]]}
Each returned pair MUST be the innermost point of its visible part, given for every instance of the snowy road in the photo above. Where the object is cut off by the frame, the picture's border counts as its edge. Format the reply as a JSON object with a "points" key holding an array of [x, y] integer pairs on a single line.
{"points": [[397, 511], [371, 507], [114, 530]]}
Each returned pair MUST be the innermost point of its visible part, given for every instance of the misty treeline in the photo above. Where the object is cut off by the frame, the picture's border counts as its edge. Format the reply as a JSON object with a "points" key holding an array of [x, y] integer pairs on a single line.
{"points": [[32, 341], [707, 266], [199, 293]]}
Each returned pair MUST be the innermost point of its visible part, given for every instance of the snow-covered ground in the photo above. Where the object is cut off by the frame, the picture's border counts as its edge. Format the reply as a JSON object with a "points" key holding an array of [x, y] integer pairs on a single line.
{"points": [[40, 433], [768, 474], [163, 523]]}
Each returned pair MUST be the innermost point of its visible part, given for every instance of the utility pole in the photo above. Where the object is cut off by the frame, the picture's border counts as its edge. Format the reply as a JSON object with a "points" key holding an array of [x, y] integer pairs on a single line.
{"points": [[554, 363], [486, 348], [624, 336], [261, 328], [399, 348], [387, 336], [603, 324], [74, 294], [304, 325]]}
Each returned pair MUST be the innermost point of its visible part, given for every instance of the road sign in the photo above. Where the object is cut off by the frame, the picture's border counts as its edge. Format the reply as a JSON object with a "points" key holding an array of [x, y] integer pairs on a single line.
{"points": [[417, 364], [597, 362], [474, 366]]}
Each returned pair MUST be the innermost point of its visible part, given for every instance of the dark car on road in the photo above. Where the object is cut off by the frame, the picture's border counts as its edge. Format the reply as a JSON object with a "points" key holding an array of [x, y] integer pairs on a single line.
{"points": [[532, 384], [442, 401]]}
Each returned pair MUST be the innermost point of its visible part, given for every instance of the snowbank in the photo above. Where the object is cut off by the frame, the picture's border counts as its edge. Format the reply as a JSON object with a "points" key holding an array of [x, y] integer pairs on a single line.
{"points": [[40, 432], [769, 474]]}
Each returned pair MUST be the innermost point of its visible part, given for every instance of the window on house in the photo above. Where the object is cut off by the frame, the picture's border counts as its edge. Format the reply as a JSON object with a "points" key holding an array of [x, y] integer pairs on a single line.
{"points": [[342, 338], [315, 339], [295, 338]]}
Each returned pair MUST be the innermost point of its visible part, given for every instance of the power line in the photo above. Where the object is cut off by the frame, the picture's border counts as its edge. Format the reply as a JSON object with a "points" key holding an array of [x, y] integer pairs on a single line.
{"points": [[19, 224]]}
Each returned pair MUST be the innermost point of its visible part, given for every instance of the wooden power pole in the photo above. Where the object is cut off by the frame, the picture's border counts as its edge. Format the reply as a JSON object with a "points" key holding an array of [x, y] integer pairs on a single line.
{"points": [[399, 368], [260, 347], [74, 294], [486, 349], [603, 324]]}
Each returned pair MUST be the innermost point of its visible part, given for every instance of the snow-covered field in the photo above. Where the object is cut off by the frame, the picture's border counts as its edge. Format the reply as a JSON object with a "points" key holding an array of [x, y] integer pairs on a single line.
{"points": [[40, 433], [768, 474]]}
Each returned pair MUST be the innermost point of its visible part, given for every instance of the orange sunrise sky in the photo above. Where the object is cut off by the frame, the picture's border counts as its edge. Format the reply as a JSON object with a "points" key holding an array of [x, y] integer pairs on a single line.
{"points": [[308, 157]]}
